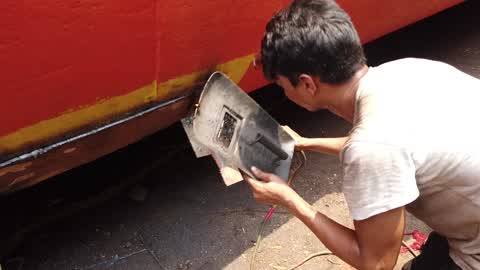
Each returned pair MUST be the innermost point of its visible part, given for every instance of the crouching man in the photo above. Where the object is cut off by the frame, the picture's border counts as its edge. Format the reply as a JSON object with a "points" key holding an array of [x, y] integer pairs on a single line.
{"points": [[414, 145]]}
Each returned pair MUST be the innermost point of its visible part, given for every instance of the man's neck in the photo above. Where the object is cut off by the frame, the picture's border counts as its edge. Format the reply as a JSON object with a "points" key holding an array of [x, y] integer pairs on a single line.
{"points": [[343, 103]]}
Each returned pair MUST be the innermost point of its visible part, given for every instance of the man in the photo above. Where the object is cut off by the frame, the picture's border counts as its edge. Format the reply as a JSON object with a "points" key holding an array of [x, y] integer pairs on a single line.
{"points": [[414, 145]]}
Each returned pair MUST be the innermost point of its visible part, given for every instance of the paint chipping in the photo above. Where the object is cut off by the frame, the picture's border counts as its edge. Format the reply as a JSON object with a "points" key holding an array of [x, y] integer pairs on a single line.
{"points": [[69, 150], [22, 178]]}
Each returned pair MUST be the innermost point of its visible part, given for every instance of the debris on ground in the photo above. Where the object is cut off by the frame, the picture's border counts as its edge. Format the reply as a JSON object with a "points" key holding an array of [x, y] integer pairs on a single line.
{"points": [[420, 240]]}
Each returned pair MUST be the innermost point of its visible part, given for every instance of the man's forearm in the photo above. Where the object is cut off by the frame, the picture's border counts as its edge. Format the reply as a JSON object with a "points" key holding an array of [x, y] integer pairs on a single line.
{"points": [[337, 238], [331, 146]]}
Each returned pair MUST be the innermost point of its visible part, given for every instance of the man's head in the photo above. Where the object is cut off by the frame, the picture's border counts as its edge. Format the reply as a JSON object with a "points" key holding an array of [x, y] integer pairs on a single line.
{"points": [[312, 38]]}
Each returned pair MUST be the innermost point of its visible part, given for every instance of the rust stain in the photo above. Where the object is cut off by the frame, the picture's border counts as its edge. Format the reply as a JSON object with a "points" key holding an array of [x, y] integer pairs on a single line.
{"points": [[15, 168]]}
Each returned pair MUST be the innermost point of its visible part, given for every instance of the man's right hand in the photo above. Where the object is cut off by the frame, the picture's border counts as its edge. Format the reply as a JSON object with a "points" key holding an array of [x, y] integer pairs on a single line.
{"points": [[300, 142]]}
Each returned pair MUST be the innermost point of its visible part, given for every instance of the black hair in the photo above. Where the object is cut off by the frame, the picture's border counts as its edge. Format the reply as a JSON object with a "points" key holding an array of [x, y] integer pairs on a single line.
{"points": [[315, 37]]}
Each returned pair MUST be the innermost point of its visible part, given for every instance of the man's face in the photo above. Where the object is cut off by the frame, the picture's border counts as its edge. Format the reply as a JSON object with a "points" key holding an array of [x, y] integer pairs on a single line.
{"points": [[301, 94]]}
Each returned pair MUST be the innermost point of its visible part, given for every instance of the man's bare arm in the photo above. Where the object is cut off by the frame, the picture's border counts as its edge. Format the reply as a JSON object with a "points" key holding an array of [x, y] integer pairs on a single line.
{"points": [[330, 146], [374, 244]]}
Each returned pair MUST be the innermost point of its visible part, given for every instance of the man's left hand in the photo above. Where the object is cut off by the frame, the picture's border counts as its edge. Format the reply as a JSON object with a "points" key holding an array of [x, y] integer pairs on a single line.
{"points": [[271, 189]]}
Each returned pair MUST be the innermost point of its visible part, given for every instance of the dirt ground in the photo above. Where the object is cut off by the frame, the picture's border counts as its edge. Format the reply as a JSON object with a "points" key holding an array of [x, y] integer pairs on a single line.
{"points": [[153, 205]]}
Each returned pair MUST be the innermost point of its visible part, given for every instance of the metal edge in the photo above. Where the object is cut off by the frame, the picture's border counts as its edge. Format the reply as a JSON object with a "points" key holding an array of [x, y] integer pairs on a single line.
{"points": [[40, 151]]}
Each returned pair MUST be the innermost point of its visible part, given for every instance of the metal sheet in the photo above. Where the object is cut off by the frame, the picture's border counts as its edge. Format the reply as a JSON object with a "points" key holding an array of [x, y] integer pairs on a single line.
{"points": [[238, 131]]}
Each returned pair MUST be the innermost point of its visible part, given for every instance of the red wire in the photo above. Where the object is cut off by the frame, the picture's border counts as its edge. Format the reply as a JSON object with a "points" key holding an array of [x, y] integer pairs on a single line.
{"points": [[269, 213]]}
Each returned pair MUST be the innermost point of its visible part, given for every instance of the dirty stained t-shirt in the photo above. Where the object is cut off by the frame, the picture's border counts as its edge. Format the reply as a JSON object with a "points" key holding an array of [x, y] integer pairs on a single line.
{"points": [[415, 142]]}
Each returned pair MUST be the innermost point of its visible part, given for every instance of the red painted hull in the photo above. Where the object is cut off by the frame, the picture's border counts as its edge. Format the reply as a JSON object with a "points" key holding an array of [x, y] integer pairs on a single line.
{"points": [[65, 61]]}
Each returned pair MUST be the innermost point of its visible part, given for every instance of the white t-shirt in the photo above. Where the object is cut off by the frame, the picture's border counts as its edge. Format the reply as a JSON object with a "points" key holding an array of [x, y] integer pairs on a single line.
{"points": [[415, 142]]}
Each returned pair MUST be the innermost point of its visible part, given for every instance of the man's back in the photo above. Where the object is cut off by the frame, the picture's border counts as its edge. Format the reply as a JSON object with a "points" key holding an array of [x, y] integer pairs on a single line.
{"points": [[416, 141]]}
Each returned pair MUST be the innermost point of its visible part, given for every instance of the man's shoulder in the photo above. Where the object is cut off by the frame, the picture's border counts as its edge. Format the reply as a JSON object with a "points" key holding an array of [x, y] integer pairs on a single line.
{"points": [[409, 63], [405, 77]]}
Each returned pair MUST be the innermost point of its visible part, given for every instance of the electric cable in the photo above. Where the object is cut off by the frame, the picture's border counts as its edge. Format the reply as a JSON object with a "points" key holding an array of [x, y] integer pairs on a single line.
{"points": [[314, 255], [269, 215]]}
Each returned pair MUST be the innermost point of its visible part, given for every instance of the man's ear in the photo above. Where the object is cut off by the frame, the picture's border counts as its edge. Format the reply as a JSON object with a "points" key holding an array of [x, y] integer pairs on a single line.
{"points": [[309, 83]]}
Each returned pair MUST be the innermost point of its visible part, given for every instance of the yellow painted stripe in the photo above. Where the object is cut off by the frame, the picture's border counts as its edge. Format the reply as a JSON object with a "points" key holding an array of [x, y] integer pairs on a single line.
{"points": [[74, 119], [234, 69], [108, 108]]}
